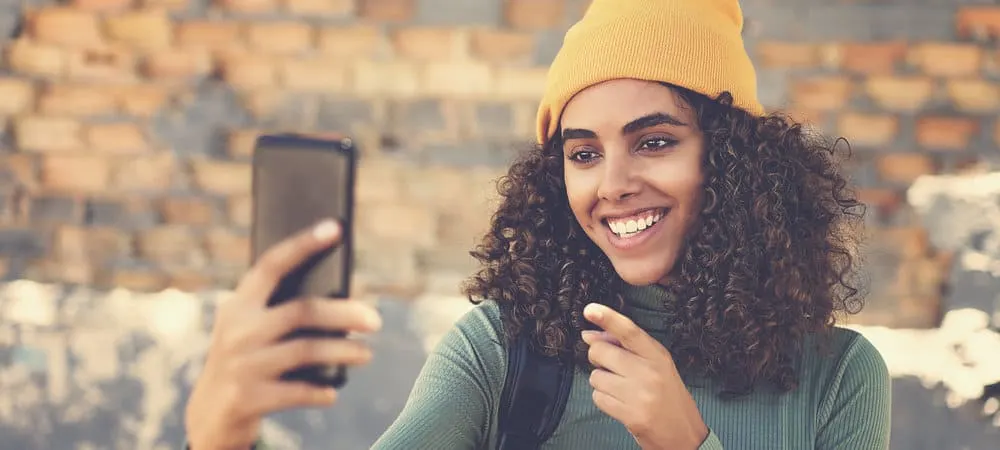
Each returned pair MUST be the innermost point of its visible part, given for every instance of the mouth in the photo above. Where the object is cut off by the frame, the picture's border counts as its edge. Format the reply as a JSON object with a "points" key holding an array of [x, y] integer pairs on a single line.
{"points": [[627, 231]]}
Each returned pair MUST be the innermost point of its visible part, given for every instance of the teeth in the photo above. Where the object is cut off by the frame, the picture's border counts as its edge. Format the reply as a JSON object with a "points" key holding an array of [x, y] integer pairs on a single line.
{"points": [[631, 227]]}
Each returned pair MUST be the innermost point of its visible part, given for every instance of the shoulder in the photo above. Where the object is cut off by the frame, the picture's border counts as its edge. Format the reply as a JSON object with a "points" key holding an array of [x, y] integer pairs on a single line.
{"points": [[850, 367], [476, 339]]}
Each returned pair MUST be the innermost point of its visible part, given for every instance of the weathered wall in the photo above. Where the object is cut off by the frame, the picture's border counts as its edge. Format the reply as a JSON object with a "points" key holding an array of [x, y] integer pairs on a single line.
{"points": [[124, 142]]}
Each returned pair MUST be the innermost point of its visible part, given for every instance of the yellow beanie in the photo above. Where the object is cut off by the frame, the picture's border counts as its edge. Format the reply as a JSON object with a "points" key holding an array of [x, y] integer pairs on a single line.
{"points": [[696, 44]]}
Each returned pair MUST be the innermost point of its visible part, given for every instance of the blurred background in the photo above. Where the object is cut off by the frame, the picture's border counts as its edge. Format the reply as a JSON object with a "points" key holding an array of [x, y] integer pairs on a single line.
{"points": [[125, 135]]}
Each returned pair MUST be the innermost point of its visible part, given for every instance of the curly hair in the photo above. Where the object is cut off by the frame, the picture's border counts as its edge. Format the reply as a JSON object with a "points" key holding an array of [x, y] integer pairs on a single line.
{"points": [[739, 312]]}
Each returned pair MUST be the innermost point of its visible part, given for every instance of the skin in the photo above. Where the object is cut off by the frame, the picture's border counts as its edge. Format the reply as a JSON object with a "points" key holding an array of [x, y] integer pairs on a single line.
{"points": [[632, 145]]}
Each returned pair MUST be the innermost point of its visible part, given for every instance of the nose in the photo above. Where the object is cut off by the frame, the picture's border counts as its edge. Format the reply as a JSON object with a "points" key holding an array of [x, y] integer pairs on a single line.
{"points": [[620, 180]]}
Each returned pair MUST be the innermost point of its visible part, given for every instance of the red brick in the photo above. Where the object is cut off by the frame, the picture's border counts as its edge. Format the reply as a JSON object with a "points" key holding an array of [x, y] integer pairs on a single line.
{"points": [[95, 244], [904, 167], [520, 83], [900, 93], [772, 54], [868, 129], [428, 44], [502, 45], [315, 75], [389, 78], [20, 169], [48, 134], [458, 79], [322, 8], [947, 60], [18, 96], [240, 143], [978, 21], [535, 14], [227, 247], [946, 133], [148, 173], [821, 93], [188, 211], [885, 201], [148, 29], [75, 173], [102, 5], [208, 34], [117, 138], [877, 58], [190, 280], [33, 58], [975, 96], [76, 100], [248, 6], [106, 64], [169, 5], [387, 10], [357, 41], [240, 210], [222, 177], [177, 64], [138, 280], [64, 26], [282, 38], [143, 100], [171, 244], [246, 71]]}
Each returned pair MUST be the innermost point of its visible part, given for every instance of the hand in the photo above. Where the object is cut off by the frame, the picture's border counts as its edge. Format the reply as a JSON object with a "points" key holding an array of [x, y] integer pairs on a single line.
{"points": [[637, 383], [240, 383]]}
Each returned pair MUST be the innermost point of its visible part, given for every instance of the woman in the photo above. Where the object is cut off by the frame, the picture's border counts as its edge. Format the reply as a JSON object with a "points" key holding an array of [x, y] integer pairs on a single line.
{"points": [[686, 250]]}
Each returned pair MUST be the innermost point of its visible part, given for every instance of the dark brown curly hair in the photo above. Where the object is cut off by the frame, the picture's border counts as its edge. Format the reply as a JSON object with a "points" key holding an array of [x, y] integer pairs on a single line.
{"points": [[771, 259]]}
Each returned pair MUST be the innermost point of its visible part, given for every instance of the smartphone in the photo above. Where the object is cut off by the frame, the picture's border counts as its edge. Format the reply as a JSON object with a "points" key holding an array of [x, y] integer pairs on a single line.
{"points": [[298, 180]]}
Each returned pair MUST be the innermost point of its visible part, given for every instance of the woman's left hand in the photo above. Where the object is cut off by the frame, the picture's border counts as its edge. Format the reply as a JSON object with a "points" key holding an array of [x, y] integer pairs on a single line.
{"points": [[636, 382]]}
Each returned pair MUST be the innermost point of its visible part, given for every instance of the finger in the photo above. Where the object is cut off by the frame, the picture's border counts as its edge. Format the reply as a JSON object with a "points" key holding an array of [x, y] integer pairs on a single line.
{"points": [[274, 396], [258, 283], [270, 362], [610, 383], [624, 330], [591, 336], [610, 405], [613, 358], [323, 314]]}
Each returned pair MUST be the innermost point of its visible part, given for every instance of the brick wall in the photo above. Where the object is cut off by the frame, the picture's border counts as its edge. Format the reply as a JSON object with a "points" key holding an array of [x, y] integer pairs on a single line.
{"points": [[127, 124]]}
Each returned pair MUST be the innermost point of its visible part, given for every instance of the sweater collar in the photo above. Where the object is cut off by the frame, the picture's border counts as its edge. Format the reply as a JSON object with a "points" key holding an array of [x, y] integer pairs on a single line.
{"points": [[647, 307]]}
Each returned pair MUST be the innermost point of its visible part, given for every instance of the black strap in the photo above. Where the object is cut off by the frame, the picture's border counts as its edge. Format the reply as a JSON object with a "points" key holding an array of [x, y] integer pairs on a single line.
{"points": [[534, 396]]}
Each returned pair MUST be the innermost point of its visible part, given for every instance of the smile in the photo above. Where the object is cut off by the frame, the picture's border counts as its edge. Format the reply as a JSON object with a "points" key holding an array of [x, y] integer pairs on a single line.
{"points": [[628, 231]]}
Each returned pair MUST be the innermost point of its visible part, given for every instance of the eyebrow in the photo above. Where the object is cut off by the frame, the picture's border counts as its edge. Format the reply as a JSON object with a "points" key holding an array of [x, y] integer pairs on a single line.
{"points": [[649, 120]]}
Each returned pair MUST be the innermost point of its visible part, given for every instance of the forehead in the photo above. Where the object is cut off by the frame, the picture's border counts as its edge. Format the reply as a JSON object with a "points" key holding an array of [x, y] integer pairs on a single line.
{"points": [[616, 102]]}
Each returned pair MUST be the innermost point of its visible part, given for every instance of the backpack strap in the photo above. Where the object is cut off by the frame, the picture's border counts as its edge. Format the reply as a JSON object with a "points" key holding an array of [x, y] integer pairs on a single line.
{"points": [[534, 396]]}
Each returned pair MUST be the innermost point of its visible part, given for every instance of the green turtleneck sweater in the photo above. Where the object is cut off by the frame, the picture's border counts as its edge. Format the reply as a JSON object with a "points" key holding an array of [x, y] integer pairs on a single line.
{"points": [[842, 403]]}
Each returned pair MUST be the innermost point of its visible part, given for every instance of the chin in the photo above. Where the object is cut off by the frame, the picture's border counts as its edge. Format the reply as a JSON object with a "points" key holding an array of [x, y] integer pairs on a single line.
{"points": [[643, 272]]}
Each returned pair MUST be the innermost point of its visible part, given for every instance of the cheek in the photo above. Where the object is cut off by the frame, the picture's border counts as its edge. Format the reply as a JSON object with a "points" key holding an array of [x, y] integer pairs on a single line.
{"points": [[579, 194]]}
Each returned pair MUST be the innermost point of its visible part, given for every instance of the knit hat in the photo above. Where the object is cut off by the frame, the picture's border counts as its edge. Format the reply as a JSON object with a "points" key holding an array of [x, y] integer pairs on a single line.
{"points": [[696, 44]]}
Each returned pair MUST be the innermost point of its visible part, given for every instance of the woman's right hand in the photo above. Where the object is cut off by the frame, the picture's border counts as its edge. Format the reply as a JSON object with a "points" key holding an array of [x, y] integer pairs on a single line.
{"points": [[240, 382]]}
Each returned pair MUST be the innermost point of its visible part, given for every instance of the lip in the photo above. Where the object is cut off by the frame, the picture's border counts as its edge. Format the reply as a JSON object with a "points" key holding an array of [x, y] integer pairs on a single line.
{"points": [[624, 244]]}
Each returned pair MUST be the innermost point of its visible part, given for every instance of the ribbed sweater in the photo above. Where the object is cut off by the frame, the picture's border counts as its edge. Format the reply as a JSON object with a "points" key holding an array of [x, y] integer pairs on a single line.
{"points": [[842, 402]]}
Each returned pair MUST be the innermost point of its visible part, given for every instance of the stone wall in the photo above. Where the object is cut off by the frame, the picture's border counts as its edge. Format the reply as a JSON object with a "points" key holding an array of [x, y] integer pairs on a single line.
{"points": [[127, 124], [125, 128]]}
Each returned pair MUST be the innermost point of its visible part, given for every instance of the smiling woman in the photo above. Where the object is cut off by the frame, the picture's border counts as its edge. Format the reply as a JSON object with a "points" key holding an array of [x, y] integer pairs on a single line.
{"points": [[679, 249]]}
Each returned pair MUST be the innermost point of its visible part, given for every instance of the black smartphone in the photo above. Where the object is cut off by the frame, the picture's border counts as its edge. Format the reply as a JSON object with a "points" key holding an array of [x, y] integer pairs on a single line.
{"points": [[298, 180]]}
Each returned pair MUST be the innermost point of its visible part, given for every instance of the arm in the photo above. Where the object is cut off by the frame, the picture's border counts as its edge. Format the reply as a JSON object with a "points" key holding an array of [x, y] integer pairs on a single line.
{"points": [[856, 411], [454, 398]]}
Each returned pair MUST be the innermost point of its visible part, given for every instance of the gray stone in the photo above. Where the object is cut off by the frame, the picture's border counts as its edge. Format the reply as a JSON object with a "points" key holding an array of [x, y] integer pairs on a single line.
{"points": [[53, 209], [547, 45], [459, 12], [471, 153], [198, 126], [493, 118], [820, 22], [21, 243], [119, 214], [416, 116], [341, 115]]}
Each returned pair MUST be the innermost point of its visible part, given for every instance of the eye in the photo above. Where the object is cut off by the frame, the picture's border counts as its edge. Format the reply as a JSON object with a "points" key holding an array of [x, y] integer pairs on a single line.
{"points": [[657, 143], [583, 155]]}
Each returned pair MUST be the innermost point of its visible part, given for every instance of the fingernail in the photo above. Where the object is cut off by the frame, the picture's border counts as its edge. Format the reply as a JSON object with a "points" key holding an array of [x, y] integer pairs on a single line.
{"points": [[593, 310], [326, 230], [588, 335], [374, 320]]}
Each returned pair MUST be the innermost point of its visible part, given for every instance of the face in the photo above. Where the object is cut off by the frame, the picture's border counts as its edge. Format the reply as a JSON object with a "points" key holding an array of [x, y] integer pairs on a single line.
{"points": [[633, 174]]}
